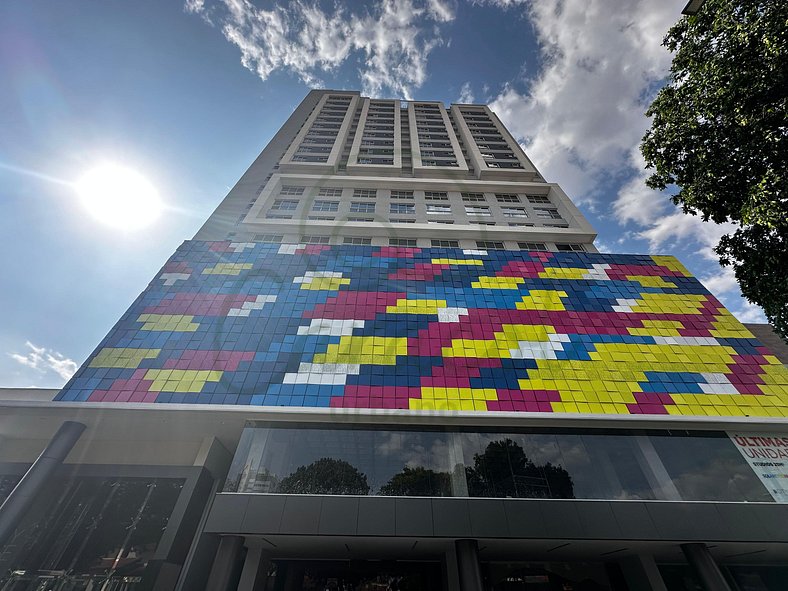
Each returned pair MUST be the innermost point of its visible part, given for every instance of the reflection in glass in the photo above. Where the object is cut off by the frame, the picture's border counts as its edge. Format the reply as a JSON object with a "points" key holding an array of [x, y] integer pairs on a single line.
{"points": [[557, 464], [503, 470], [326, 476], [296, 461], [418, 482], [94, 530], [709, 468]]}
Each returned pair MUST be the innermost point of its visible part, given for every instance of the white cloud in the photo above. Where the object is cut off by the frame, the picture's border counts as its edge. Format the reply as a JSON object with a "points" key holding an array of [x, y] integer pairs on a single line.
{"points": [[500, 3], [43, 360], [441, 11], [583, 114], [749, 313], [722, 282], [393, 41], [466, 94]]}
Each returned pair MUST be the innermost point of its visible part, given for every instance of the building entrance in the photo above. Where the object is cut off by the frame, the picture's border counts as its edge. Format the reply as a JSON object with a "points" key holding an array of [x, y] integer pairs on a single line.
{"points": [[362, 575]]}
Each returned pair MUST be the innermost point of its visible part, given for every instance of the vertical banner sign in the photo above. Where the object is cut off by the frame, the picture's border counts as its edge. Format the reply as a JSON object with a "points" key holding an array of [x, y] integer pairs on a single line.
{"points": [[767, 455]]}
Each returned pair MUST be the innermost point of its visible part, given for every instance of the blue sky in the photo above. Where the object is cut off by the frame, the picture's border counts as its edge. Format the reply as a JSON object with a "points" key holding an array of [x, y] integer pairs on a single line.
{"points": [[189, 93]]}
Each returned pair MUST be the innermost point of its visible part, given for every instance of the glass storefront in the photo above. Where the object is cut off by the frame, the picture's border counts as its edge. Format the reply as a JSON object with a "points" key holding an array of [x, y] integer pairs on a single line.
{"points": [[556, 464], [90, 533], [681, 577], [547, 576], [359, 575]]}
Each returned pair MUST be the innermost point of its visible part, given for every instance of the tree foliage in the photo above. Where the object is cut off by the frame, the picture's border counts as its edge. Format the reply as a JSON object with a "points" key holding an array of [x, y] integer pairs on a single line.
{"points": [[325, 476], [720, 135], [503, 470], [418, 482]]}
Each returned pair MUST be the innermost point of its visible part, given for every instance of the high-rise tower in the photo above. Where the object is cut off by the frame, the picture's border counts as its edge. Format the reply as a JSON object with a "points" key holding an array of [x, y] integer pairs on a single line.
{"points": [[347, 169], [393, 358]]}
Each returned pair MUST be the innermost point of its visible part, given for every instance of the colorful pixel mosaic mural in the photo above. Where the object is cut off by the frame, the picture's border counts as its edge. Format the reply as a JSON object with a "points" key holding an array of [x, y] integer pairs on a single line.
{"points": [[431, 329]]}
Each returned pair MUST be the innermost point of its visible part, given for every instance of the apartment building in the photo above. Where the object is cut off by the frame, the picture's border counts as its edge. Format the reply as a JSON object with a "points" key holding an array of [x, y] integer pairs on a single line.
{"points": [[392, 358]]}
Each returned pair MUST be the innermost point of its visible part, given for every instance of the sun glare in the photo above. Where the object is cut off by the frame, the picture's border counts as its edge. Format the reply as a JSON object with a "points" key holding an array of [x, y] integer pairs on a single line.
{"points": [[119, 197]]}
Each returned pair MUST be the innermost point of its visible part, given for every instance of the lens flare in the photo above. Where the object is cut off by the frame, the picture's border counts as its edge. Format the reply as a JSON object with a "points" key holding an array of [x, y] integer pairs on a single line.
{"points": [[119, 197]]}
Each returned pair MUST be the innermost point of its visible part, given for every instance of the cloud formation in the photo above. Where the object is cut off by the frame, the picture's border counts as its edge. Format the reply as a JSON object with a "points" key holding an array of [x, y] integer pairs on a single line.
{"points": [[43, 360], [582, 117], [466, 94], [391, 42]]}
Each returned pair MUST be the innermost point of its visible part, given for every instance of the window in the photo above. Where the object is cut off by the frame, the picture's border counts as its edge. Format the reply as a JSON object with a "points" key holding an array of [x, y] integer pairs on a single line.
{"points": [[570, 247], [365, 193], [315, 239], [325, 205], [385, 161], [285, 205], [268, 238], [362, 207], [436, 196], [470, 197], [521, 224], [321, 218], [330, 192], [507, 198], [402, 194], [481, 223], [556, 225], [538, 199], [402, 208], [291, 190], [531, 246], [547, 213], [407, 242], [490, 244], [357, 240], [477, 210], [278, 216], [401, 221], [438, 209], [570, 464], [440, 222], [360, 219], [514, 212], [445, 243]]}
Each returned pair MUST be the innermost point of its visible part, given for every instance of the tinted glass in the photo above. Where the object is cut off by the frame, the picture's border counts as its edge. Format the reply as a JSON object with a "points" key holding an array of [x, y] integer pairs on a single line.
{"points": [[342, 462], [562, 464], [709, 469]]}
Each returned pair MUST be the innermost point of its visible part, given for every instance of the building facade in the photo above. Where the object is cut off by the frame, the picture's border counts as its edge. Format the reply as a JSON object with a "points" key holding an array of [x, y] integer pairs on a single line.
{"points": [[393, 358]]}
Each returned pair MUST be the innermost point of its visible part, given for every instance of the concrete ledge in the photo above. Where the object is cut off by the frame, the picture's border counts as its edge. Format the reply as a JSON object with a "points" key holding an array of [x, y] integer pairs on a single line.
{"points": [[409, 517]]}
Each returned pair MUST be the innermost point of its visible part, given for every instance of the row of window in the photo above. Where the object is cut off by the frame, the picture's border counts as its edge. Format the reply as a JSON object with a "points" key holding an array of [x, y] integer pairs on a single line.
{"points": [[528, 463], [273, 215], [413, 242], [288, 190], [547, 213]]}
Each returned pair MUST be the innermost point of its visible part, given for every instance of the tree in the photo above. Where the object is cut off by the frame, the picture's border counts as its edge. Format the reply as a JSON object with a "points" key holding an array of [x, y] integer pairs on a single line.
{"points": [[503, 470], [418, 482], [325, 476], [720, 135]]}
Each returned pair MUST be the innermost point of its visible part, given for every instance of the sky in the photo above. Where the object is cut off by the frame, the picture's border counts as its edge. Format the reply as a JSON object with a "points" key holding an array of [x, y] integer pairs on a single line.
{"points": [[188, 93]]}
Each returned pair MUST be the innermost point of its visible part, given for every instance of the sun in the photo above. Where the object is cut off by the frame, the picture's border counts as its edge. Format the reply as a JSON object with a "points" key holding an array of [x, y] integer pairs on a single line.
{"points": [[119, 197]]}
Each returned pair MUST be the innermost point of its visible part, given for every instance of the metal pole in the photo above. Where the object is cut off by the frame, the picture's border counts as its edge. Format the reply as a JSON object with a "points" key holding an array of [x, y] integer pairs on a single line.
{"points": [[701, 561], [38, 475]]}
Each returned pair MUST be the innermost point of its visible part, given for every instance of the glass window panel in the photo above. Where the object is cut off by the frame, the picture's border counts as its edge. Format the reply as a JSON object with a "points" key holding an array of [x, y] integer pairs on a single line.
{"points": [[582, 463], [615, 466], [515, 465], [78, 527], [341, 462], [709, 469]]}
